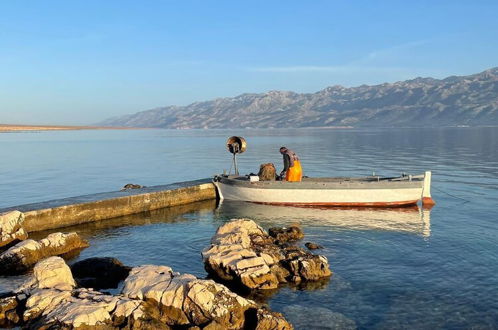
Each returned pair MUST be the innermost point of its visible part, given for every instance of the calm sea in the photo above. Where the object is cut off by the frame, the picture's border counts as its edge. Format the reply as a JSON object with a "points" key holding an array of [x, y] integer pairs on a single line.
{"points": [[408, 269]]}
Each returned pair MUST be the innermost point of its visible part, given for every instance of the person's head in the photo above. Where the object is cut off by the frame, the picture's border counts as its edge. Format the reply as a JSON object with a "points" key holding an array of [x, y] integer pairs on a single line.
{"points": [[283, 150]]}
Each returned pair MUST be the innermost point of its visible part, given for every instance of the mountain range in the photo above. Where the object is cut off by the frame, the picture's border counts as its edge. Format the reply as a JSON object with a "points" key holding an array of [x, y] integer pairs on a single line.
{"points": [[457, 100]]}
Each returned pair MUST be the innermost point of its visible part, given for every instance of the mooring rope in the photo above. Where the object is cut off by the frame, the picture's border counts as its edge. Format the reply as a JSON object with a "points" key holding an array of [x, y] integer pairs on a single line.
{"points": [[444, 192]]}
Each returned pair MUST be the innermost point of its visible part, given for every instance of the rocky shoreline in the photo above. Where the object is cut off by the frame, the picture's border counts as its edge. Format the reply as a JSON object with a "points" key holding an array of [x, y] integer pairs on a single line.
{"points": [[153, 297], [242, 258], [244, 254]]}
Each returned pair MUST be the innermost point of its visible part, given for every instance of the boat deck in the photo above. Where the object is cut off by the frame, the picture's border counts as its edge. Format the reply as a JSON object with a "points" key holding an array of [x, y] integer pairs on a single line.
{"points": [[327, 182]]}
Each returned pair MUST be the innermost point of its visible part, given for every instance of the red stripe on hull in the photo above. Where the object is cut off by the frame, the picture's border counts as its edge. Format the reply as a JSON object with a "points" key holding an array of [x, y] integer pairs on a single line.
{"points": [[346, 204]]}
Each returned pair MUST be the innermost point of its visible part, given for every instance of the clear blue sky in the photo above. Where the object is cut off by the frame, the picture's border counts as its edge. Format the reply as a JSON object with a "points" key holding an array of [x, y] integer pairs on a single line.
{"points": [[78, 62]]}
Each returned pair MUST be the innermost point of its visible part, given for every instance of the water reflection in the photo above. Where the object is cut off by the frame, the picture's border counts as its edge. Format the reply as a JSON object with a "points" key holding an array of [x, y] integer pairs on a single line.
{"points": [[108, 228], [409, 220]]}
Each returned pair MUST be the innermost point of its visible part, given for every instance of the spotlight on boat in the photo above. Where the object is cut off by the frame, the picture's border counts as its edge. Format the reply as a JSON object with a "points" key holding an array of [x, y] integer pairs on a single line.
{"points": [[236, 145]]}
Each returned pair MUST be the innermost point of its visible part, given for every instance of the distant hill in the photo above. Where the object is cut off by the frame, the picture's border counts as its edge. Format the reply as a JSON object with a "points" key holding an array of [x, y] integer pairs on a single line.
{"points": [[457, 100]]}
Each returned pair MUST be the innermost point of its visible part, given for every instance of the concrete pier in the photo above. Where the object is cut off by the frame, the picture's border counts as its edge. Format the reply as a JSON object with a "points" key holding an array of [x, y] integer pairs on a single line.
{"points": [[89, 208]]}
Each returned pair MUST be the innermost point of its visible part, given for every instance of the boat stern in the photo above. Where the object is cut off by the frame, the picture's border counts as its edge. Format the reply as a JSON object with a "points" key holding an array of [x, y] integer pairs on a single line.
{"points": [[216, 182], [427, 200]]}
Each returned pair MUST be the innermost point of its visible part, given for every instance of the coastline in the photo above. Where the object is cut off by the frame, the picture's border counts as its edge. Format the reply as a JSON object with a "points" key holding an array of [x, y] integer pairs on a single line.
{"points": [[21, 128]]}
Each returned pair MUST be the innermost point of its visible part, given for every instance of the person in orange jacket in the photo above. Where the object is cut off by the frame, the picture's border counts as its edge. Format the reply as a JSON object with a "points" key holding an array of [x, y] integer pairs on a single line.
{"points": [[292, 165]]}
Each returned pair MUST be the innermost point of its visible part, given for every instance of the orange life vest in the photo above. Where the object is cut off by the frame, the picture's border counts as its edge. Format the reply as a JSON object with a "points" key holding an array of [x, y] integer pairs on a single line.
{"points": [[295, 172]]}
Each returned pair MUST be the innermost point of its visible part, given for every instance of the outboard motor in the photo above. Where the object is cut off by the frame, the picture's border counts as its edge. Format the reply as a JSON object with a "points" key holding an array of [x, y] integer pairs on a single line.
{"points": [[236, 145]]}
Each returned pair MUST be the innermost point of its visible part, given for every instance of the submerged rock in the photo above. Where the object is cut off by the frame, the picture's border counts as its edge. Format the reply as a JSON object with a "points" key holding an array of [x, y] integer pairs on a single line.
{"points": [[99, 273], [318, 318], [313, 246], [131, 186], [242, 253], [11, 229], [284, 234], [271, 320], [25, 254]]}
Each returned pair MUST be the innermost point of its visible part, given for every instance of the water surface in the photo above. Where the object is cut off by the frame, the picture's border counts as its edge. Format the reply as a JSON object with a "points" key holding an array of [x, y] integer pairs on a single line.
{"points": [[392, 268]]}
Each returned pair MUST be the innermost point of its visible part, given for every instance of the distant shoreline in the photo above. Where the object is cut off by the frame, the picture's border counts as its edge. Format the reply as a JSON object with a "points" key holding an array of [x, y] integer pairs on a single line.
{"points": [[9, 128], [21, 128]]}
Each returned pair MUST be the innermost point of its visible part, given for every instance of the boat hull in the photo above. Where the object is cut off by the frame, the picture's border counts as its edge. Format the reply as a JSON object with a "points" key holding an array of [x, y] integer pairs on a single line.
{"points": [[338, 193]]}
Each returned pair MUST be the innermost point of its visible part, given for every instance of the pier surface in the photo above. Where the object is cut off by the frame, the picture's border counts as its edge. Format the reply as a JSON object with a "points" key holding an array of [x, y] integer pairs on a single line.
{"points": [[95, 207]]}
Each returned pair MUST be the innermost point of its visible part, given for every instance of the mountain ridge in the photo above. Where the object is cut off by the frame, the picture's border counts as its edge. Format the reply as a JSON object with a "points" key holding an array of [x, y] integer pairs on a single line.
{"points": [[423, 101]]}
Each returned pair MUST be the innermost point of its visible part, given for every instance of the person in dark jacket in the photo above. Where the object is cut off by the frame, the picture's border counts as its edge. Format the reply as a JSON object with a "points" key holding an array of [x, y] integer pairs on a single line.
{"points": [[292, 165]]}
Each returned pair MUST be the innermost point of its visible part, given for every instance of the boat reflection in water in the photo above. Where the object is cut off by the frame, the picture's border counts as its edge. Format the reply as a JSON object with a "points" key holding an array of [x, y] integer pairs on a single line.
{"points": [[409, 219]]}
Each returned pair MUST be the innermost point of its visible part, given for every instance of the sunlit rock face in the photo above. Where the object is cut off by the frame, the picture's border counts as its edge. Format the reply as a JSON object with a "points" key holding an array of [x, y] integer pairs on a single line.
{"points": [[11, 229], [182, 299], [153, 297], [82, 308], [25, 254], [50, 273], [243, 253]]}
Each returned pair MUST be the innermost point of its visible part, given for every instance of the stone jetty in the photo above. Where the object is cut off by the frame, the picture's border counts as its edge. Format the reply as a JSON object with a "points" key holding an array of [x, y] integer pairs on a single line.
{"points": [[96, 207], [244, 254]]}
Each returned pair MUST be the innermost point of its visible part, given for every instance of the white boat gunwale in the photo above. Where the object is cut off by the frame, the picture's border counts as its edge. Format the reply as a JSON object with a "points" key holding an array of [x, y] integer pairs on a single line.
{"points": [[323, 183]]}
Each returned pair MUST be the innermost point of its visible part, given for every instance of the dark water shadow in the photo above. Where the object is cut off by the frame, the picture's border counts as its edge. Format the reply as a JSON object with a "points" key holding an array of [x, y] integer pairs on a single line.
{"points": [[164, 215]]}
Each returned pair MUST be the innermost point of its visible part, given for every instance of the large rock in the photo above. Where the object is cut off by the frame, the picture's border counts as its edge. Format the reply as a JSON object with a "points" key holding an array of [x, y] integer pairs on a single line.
{"points": [[185, 300], [25, 254], [11, 229], [99, 273], [50, 273], [242, 253], [231, 257]]}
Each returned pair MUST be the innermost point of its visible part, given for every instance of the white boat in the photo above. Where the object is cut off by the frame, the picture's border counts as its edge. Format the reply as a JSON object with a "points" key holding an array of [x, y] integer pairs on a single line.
{"points": [[374, 191]]}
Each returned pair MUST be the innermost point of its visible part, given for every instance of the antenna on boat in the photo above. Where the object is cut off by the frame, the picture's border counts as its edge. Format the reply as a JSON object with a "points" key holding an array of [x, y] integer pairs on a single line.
{"points": [[236, 145]]}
